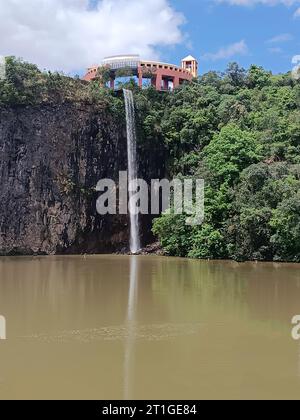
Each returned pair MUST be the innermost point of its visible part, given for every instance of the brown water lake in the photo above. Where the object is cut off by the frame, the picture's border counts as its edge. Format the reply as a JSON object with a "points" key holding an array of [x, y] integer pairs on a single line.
{"points": [[114, 327]]}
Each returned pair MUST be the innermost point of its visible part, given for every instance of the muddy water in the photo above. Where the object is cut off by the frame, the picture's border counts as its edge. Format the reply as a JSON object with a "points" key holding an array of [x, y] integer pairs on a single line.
{"points": [[106, 327]]}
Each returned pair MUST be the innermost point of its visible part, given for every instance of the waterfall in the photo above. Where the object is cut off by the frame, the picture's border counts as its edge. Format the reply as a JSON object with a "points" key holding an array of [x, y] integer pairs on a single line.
{"points": [[135, 245]]}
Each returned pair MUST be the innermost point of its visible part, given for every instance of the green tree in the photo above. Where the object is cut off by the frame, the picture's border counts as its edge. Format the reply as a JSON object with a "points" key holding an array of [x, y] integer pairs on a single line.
{"points": [[229, 152], [258, 78], [235, 74]]}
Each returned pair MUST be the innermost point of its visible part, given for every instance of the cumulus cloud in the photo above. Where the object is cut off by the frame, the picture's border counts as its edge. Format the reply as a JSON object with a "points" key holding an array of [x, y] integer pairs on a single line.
{"points": [[73, 34], [238, 48]]}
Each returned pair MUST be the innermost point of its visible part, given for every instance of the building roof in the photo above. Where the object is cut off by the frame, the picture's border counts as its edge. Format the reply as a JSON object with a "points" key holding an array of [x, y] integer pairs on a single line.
{"points": [[122, 56], [189, 58]]}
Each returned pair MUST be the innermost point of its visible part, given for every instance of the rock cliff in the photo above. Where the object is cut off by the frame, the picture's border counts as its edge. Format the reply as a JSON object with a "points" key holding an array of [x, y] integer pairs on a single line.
{"points": [[51, 158]]}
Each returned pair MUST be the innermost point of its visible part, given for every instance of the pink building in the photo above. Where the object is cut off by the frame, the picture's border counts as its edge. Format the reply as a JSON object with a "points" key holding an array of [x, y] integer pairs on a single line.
{"points": [[162, 75]]}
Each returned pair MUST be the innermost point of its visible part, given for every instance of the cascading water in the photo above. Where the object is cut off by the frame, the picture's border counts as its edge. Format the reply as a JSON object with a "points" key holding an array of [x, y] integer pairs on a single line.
{"points": [[135, 244]]}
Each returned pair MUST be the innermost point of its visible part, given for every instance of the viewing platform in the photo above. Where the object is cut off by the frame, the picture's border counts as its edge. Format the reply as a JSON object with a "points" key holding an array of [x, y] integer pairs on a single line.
{"points": [[163, 76]]}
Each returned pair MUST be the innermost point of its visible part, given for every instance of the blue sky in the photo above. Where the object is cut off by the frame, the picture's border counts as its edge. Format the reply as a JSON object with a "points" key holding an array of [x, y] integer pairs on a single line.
{"points": [[271, 34], [71, 35]]}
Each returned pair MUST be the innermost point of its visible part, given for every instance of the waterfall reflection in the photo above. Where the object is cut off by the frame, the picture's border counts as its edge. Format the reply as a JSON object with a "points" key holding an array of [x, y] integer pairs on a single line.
{"points": [[131, 325]]}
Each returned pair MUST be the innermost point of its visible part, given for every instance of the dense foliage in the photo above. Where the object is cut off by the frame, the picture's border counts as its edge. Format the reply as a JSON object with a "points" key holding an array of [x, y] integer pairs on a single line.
{"points": [[240, 131], [25, 84]]}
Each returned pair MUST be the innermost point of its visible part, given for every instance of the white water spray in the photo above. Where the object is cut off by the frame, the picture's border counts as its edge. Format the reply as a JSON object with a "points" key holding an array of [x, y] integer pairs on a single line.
{"points": [[135, 244]]}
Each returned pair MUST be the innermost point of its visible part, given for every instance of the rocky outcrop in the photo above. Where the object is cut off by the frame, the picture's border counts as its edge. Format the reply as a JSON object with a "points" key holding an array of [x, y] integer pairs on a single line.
{"points": [[51, 158]]}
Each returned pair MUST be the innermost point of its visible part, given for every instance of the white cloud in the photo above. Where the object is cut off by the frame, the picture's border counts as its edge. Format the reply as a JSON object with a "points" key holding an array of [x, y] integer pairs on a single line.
{"points": [[275, 50], [254, 2], [288, 3], [238, 48], [280, 38], [70, 34]]}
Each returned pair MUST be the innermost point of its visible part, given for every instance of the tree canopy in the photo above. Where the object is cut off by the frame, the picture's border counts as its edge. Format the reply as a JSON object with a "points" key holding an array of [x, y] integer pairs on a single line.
{"points": [[240, 131]]}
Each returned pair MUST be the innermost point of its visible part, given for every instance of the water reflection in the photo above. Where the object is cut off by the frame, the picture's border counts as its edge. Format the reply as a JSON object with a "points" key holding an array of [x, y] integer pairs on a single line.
{"points": [[109, 327], [2, 328], [131, 325]]}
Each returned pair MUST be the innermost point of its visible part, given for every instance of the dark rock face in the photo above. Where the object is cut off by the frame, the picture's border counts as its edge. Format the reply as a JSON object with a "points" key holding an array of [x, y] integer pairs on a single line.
{"points": [[51, 159]]}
